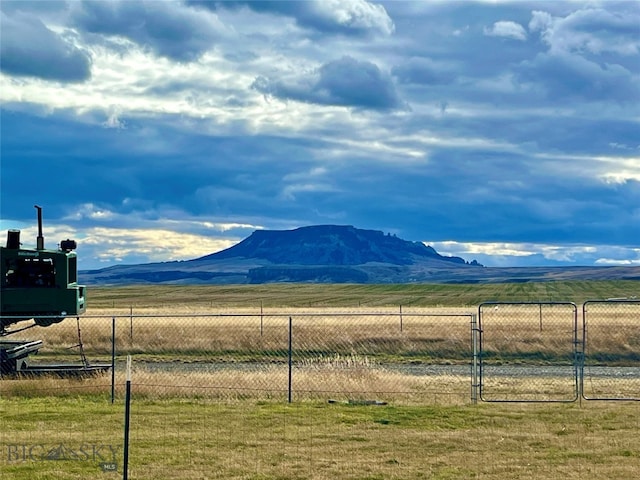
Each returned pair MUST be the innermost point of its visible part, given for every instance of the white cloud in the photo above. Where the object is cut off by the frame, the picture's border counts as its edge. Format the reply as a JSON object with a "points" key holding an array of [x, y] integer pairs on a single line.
{"points": [[175, 225], [512, 254], [89, 211], [606, 262], [617, 169], [111, 245], [451, 247], [590, 30], [356, 14], [114, 121], [293, 191], [506, 29]]}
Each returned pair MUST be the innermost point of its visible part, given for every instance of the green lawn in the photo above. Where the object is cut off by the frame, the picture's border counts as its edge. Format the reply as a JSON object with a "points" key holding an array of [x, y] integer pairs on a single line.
{"points": [[185, 438]]}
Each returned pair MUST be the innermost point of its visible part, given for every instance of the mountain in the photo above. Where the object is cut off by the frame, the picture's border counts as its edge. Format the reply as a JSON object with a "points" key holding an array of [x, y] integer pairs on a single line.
{"points": [[335, 254], [329, 245]]}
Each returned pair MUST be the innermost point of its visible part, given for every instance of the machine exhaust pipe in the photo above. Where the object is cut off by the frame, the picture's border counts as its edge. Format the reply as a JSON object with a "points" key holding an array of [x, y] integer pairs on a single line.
{"points": [[13, 239], [40, 238]]}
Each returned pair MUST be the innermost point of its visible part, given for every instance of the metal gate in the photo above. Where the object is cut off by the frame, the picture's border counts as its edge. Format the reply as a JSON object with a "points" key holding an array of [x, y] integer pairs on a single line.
{"points": [[527, 352], [611, 361]]}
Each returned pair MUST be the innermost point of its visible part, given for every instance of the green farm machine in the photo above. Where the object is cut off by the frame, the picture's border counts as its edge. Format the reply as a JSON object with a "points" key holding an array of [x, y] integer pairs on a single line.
{"points": [[40, 286]]}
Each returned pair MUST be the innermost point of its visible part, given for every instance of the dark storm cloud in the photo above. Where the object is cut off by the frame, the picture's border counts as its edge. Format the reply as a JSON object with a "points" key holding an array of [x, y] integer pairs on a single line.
{"points": [[164, 27], [565, 77], [344, 82], [212, 176], [461, 121], [29, 48], [589, 56], [423, 71]]}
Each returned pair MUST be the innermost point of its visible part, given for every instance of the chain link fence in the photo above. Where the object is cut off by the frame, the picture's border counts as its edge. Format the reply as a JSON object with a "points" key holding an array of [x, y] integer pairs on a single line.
{"points": [[528, 352], [611, 363], [414, 356], [524, 351], [544, 352], [342, 356]]}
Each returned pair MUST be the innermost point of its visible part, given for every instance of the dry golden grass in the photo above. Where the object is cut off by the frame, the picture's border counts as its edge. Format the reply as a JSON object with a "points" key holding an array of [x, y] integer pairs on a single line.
{"points": [[239, 353], [217, 331], [433, 334], [310, 382]]}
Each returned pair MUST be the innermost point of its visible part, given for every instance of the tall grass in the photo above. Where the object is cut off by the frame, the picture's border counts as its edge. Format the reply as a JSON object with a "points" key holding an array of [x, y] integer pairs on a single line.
{"points": [[418, 334]]}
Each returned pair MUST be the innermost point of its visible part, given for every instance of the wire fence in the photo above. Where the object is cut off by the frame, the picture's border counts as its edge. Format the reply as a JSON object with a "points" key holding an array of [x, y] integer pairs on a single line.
{"points": [[522, 352], [611, 332], [245, 394], [416, 357], [528, 352], [553, 352]]}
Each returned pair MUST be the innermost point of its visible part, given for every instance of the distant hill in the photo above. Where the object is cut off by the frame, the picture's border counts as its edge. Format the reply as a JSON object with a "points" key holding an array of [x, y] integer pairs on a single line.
{"points": [[330, 245], [335, 254]]}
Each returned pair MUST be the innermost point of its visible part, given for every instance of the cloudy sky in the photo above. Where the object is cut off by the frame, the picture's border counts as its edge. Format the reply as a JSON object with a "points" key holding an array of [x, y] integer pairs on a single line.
{"points": [[502, 131]]}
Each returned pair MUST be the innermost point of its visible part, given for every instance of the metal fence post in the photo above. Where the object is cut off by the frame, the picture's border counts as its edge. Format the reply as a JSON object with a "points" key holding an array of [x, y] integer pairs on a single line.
{"points": [[290, 357], [474, 362], [113, 359], [127, 423], [540, 317]]}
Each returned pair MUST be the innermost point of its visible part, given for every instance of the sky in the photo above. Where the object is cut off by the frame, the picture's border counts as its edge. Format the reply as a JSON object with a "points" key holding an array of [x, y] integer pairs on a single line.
{"points": [[502, 131]]}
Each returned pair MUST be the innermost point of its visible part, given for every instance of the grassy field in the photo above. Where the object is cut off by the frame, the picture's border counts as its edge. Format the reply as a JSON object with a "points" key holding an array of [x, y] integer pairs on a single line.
{"points": [[197, 439], [349, 295], [222, 425]]}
